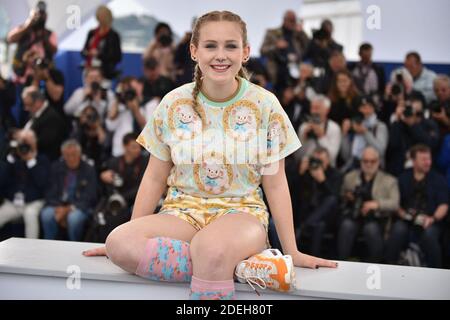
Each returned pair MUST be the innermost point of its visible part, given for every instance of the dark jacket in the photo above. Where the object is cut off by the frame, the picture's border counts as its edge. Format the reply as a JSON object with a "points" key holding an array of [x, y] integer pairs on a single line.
{"points": [[50, 131], [436, 190], [86, 186], [110, 52], [402, 137], [131, 175], [31, 181]]}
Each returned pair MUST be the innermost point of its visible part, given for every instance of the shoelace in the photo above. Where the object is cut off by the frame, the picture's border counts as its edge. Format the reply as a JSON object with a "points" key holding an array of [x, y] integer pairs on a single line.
{"points": [[261, 274]]}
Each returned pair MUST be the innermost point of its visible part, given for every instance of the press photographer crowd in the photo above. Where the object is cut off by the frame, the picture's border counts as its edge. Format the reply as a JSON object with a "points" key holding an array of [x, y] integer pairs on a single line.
{"points": [[371, 181]]}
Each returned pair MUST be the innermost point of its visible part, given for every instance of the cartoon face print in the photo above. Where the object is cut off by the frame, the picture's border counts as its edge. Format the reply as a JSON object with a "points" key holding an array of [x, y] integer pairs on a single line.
{"points": [[213, 175], [215, 178], [276, 133], [184, 122], [242, 120]]}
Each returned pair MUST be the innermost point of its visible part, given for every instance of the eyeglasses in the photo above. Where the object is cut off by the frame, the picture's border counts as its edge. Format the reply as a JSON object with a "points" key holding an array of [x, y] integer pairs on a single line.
{"points": [[369, 161]]}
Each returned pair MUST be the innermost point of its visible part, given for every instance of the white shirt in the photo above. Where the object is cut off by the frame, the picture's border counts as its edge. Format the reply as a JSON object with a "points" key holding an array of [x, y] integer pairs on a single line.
{"points": [[76, 103]]}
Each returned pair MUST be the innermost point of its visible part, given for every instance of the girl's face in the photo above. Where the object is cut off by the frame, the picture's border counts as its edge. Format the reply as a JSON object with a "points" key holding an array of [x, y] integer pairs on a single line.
{"points": [[220, 51], [343, 83]]}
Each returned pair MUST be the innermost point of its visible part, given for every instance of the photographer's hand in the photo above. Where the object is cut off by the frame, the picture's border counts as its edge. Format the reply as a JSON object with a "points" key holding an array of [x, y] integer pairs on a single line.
{"points": [[319, 130], [427, 221], [441, 117], [107, 176], [368, 206], [303, 166]]}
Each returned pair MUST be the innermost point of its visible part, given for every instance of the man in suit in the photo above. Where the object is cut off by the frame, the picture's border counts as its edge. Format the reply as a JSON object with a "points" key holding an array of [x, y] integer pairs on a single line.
{"points": [[72, 194], [284, 47], [48, 125]]}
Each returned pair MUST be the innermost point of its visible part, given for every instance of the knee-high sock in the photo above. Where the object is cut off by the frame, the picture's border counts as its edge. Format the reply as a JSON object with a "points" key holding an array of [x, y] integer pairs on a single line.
{"points": [[211, 290], [166, 259]]}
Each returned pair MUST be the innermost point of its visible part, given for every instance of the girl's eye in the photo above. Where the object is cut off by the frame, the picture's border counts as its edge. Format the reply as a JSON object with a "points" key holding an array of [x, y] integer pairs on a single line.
{"points": [[231, 46], [210, 46]]}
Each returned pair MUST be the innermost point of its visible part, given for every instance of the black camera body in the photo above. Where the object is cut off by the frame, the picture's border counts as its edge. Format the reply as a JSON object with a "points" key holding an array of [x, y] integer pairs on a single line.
{"points": [[18, 149], [165, 40], [315, 163], [397, 87], [353, 209], [415, 217], [437, 107], [126, 96], [408, 112], [358, 118], [41, 63]]}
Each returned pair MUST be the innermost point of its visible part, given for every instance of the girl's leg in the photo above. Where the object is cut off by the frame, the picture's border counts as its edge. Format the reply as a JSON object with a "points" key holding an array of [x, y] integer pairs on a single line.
{"points": [[136, 245], [218, 248]]}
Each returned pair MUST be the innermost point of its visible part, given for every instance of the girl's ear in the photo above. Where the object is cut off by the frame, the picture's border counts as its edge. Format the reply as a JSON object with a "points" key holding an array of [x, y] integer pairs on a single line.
{"points": [[246, 53], [193, 50]]}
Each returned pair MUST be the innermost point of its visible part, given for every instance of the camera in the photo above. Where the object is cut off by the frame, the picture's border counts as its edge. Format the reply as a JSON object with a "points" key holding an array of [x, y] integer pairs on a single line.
{"points": [[41, 63], [117, 180], [358, 118], [416, 217], [126, 96], [95, 89], [92, 117], [437, 107], [165, 40], [116, 203], [19, 148], [409, 111], [315, 163], [397, 87], [353, 209]]}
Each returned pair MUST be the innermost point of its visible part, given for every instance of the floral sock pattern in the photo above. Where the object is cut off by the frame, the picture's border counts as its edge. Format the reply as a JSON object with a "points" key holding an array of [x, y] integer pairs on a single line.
{"points": [[166, 259]]}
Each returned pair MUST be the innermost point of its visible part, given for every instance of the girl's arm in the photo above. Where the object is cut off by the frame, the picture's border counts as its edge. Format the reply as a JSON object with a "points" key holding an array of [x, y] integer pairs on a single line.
{"points": [[277, 192], [152, 187]]}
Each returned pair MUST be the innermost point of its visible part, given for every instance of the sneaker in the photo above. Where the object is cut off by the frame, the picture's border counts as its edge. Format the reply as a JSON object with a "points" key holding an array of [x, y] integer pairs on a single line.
{"points": [[269, 269]]}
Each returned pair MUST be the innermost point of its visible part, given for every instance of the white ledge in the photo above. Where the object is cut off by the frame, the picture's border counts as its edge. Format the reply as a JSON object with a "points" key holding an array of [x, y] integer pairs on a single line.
{"points": [[38, 269]]}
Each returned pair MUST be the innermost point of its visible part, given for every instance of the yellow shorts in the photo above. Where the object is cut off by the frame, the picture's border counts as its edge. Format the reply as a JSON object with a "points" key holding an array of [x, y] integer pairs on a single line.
{"points": [[200, 212]]}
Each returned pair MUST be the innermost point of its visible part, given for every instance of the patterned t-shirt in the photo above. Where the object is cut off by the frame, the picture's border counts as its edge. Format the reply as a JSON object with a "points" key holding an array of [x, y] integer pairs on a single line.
{"points": [[219, 150]]}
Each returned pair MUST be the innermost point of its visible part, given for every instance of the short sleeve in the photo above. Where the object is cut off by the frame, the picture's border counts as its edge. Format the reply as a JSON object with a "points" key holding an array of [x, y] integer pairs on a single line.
{"points": [[282, 140], [153, 136]]}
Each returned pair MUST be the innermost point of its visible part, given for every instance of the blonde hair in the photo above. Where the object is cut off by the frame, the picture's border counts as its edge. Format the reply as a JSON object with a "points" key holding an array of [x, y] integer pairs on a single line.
{"points": [[214, 16], [104, 13]]}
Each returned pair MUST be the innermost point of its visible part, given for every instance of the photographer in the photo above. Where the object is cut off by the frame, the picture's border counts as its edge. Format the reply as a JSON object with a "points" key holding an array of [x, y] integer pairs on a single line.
{"points": [[368, 76], [397, 91], [34, 41], [284, 48], [102, 48], [423, 208], [162, 49], [296, 98], [93, 93], [126, 113], [25, 175], [423, 77], [316, 187], [155, 84], [123, 174], [92, 136], [366, 130], [322, 45], [47, 124], [319, 131], [411, 128], [440, 108], [370, 196], [71, 196]]}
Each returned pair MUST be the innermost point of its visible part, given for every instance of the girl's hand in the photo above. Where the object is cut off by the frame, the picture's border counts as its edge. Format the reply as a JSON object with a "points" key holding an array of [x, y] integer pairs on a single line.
{"points": [[101, 251], [307, 261]]}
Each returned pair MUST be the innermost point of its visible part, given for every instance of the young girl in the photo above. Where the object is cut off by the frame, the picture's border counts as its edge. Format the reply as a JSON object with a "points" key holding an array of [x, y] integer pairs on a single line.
{"points": [[205, 141]]}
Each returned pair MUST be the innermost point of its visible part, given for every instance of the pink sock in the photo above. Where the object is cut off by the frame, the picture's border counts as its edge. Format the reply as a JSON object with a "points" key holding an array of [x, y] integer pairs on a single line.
{"points": [[165, 259], [211, 290]]}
